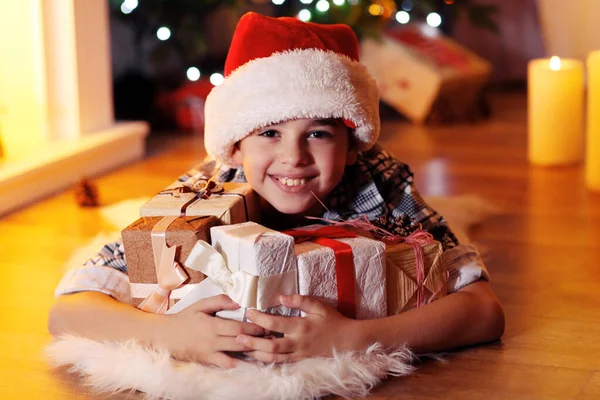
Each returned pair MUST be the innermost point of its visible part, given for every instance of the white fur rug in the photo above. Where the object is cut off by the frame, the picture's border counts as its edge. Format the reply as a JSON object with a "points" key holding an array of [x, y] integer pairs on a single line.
{"points": [[121, 367], [109, 367]]}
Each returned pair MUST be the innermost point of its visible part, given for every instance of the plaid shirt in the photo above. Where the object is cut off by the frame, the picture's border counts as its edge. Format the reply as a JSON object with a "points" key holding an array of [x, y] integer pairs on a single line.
{"points": [[377, 186]]}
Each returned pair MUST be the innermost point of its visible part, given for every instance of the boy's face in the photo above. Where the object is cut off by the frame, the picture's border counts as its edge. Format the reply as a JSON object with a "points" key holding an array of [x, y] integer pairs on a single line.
{"points": [[285, 162]]}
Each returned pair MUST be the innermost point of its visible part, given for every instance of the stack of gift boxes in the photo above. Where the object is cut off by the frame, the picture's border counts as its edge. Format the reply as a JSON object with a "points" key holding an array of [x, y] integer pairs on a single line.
{"points": [[196, 239]]}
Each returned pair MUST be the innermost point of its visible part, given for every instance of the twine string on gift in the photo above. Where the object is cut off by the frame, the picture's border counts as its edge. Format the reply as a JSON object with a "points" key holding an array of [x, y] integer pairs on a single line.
{"points": [[344, 261], [204, 187], [416, 239], [169, 274]]}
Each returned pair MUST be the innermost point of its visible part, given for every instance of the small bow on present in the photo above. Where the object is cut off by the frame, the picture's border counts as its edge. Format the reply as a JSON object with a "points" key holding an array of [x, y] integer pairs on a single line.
{"points": [[344, 262], [199, 183], [169, 274]]}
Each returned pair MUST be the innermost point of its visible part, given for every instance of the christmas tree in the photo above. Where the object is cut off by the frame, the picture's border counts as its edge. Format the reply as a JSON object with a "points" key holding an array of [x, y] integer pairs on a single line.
{"points": [[168, 30]]}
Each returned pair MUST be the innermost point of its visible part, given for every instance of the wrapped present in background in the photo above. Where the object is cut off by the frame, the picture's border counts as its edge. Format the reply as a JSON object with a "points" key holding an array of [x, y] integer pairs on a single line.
{"points": [[342, 269], [230, 202], [153, 245], [250, 263], [411, 284], [425, 75], [185, 105]]}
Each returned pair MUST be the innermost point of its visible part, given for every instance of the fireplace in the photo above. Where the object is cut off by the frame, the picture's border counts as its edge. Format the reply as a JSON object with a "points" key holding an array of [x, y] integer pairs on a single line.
{"points": [[56, 117]]}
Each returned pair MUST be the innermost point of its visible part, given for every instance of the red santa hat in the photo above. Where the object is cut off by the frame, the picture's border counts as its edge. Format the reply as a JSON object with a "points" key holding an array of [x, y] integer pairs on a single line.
{"points": [[280, 69]]}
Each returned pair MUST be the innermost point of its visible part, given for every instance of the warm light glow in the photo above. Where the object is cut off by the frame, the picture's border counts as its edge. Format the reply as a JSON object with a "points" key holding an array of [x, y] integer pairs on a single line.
{"points": [[434, 20], [339, 2], [23, 82], [193, 74], [375, 9], [304, 15], [163, 33], [216, 79], [322, 5], [449, 2], [555, 63], [278, 2], [403, 17], [306, 1]]}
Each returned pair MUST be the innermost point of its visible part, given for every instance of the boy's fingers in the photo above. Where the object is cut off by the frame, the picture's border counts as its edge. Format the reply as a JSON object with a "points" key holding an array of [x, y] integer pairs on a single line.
{"points": [[227, 327], [229, 343], [278, 346], [214, 304], [271, 322], [222, 360], [303, 303], [272, 358]]}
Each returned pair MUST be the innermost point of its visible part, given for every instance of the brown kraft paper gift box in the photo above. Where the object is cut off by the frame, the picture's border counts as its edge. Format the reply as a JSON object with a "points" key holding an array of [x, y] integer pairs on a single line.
{"points": [[183, 232], [402, 284]]}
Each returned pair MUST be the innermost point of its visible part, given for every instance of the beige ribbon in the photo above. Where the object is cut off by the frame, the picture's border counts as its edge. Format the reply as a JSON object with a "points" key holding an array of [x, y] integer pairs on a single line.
{"points": [[170, 275]]}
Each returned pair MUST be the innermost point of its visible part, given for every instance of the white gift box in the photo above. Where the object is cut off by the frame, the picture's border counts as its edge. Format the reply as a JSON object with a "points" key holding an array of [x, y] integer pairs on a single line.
{"points": [[250, 263], [254, 265], [317, 274]]}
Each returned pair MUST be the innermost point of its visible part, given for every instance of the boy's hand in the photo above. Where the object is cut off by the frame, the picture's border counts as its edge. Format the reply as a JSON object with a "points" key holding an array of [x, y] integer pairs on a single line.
{"points": [[194, 334], [317, 334]]}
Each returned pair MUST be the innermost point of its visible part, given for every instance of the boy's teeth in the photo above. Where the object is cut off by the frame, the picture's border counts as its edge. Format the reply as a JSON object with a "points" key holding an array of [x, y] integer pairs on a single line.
{"points": [[292, 182]]}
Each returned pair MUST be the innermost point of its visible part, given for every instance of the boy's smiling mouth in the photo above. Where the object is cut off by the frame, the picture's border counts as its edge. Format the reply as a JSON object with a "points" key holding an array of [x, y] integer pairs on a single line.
{"points": [[291, 183]]}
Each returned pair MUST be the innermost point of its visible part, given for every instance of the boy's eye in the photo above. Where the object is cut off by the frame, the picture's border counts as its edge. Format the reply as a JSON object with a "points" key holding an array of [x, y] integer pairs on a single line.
{"points": [[269, 134], [320, 134]]}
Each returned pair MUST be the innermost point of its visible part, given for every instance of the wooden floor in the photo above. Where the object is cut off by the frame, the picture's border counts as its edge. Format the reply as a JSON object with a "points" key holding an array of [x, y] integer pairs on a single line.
{"points": [[544, 259]]}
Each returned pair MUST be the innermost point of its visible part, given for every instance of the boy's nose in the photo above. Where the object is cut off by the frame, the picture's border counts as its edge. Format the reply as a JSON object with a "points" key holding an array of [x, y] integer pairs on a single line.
{"points": [[293, 154]]}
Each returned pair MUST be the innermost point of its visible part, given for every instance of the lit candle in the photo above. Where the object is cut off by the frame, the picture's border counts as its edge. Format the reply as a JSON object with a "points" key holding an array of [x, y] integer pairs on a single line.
{"points": [[555, 111], [592, 165]]}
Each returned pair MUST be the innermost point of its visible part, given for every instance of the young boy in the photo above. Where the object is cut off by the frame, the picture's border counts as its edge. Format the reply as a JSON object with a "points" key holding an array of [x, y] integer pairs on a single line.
{"points": [[297, 118]]}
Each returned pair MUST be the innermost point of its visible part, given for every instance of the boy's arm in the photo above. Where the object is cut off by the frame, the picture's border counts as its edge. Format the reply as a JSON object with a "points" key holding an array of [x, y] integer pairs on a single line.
{"points": [[193, 334], [471, 315]]}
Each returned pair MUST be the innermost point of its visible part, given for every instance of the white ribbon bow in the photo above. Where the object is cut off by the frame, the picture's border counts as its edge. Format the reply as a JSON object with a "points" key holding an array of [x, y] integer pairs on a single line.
{"points": [[249, 291]]}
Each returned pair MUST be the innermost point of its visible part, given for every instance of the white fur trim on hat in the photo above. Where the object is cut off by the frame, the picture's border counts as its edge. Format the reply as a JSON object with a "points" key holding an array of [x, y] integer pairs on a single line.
{"points": [[290, 85]]}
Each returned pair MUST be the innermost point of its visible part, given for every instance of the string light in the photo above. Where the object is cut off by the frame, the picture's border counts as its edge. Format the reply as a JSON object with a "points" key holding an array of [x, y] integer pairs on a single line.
{"points": [[407, 5], [403, 17], [193, 74], [434, 20], [339, 3], [375, 9], [306, 1], [131, 4], [216, 79], [125, 9], [304, 15], [277, 3], [163, 33], [449, 2], [322, 5]]}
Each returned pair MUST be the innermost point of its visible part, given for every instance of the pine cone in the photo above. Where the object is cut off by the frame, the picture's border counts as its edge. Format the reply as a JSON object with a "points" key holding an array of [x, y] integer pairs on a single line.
{"points": [[86, 193]]}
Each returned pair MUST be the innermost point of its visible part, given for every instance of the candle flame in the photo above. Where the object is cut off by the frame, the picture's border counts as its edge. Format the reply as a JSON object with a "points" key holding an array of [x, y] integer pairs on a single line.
{"points": [[555, 63]]}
